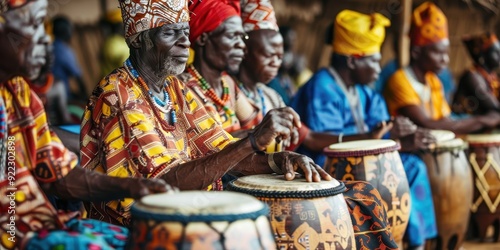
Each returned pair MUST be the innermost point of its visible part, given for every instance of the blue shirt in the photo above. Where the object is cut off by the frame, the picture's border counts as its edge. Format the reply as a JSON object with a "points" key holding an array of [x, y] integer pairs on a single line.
{"points": [[323, 107], [65, 63]]}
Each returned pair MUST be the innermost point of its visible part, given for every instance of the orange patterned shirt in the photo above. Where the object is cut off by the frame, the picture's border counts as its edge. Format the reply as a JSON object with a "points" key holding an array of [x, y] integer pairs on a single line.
{"points": [[122, 137]]}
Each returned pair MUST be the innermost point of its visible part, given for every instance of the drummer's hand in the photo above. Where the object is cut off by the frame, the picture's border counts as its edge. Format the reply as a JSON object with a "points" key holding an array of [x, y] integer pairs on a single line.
{"points": [[421, 139], [291, 162], [382, 129], [402, 126], [145, 187], [279, 123]]}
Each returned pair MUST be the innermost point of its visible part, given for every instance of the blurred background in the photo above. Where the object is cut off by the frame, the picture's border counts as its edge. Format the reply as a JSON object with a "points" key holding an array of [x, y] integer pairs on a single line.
{"points": [[309, 18]]}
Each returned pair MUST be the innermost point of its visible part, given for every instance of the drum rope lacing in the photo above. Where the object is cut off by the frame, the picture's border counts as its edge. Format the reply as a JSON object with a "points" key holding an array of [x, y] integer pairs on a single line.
{"points": [[289, 194]]}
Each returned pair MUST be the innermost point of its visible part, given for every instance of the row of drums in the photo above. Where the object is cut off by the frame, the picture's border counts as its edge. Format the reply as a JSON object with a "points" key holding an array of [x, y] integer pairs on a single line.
{"points": [[267, 212]]}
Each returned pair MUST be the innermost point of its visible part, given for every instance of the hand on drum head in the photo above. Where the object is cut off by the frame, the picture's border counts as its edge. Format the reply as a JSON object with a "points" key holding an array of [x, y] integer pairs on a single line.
{"points": [[382, 129], [145, 187], [421, 139], [291, 162], [279, 123], [402, 126]]}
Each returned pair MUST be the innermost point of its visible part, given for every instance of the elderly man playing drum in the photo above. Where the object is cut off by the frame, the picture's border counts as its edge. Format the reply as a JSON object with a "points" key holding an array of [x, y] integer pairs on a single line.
{"points": [[141, 121]]}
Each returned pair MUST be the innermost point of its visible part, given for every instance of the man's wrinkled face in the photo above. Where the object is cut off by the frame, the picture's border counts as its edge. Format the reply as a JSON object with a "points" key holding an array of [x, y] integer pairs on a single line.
{"points": [[22, 29], [224, 49], [366, 69], [434, 57], [264, 55], [167, 48]]}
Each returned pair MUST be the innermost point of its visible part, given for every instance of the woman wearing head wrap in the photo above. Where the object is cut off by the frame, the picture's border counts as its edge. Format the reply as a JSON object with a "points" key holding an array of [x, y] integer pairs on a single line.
{"points": [[141, 121], [259, 67], [337, 100], [479, 89], [41, 162], [415, 91]]}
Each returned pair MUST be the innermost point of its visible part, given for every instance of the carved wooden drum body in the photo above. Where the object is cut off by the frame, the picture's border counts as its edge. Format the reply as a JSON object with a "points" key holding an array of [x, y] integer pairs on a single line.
{"points": [[484, 158], [195, 220], [303, 215], [451, 184], [378, 162]]}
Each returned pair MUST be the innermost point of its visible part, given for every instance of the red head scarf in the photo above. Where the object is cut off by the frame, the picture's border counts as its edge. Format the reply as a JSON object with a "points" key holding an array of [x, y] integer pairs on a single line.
{"points": [[207, 15]]}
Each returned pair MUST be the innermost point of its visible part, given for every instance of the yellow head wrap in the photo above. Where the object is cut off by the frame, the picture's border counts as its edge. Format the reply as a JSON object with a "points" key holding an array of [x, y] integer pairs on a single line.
{"points": [[359, 34]]}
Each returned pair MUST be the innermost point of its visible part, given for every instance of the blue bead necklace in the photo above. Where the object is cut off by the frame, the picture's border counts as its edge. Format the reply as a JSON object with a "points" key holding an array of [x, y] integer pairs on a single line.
{"points": [[164, 105], [252, 96]]}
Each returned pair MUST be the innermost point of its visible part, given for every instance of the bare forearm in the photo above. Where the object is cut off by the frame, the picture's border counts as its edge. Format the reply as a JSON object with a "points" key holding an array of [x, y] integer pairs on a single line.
{"points": [[253, 164], [318, 141], [460, 126], [86, 185], [200, 173]]}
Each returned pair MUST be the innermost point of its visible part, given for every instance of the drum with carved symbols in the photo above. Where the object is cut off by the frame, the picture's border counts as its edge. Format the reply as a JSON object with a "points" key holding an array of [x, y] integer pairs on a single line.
{"points": [[484, 158], [377, 162], [451, 184], [195, 220], [304, 215]]}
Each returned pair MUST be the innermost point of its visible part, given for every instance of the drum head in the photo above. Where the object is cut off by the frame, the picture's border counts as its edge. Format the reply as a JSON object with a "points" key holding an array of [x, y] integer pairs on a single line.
{"points": [[442, 135], [483, 139], [455, 143], [361, 148], [198, 206], [275, 186]]}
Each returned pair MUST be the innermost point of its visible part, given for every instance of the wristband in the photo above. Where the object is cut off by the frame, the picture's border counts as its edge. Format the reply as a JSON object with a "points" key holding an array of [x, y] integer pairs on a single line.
{"points": [[272, 164]]}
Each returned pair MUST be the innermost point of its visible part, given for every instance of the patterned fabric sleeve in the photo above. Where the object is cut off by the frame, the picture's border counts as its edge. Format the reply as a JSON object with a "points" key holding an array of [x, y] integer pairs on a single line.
{"points": [[399, 93], [44, 153]]}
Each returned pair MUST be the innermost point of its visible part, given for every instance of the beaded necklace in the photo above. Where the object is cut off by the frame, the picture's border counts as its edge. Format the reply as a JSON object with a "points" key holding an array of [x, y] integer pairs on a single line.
{"points": [[164, 105], [250, 95], [210, 93]]}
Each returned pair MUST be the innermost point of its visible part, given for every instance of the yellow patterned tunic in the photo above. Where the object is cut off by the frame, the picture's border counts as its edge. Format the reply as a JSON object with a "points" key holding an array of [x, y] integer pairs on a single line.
{"points": [[121, 136]]}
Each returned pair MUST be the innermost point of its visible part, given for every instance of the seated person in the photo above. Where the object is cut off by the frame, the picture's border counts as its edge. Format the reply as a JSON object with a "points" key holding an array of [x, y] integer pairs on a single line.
{"points": [[141, 120], [66, 65], [42, 165], [416, 92], [479, 89], [338, 100]]}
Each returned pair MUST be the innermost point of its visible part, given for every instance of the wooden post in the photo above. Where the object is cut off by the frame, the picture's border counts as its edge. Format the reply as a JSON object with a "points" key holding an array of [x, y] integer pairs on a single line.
{"points": [[403, 32], [104, 7]]}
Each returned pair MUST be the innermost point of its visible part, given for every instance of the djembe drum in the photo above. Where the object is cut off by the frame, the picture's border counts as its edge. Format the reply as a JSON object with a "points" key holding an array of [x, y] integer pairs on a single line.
{"points": [[304, 215], [484, 158], [377, 162], [451, 184], [195, 220]]}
